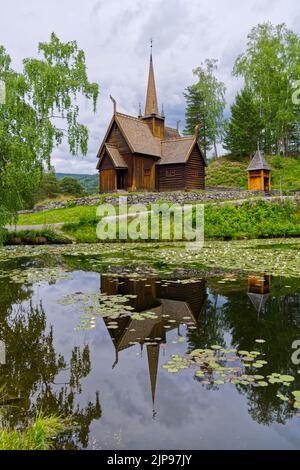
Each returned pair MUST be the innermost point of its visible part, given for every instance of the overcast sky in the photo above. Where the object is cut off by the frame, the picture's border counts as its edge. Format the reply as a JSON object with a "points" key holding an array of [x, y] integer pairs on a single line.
{"points": [[115, 36]]}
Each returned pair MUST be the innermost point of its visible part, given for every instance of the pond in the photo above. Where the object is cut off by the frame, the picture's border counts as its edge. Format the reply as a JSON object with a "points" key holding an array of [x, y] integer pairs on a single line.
{"points": [[145, 359]]}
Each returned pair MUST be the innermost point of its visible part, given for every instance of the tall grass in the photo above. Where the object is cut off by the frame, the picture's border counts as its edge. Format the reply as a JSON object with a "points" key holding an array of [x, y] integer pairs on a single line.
{"points": [[39, 436]]}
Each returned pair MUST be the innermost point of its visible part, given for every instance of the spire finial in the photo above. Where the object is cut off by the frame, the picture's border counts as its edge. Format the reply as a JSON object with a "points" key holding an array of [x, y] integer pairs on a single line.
{"points": [[151, 45], [140, 110]]}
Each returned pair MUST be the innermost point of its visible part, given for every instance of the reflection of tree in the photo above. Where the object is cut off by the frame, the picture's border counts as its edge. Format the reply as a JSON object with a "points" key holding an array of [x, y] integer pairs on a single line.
{"points": [[32, 369], [11, 293], [210, 326], [279, 325]]}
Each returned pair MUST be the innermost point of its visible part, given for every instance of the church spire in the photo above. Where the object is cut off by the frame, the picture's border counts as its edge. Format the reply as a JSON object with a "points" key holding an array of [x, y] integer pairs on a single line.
{"points": [[151, 99], [153, 358]]}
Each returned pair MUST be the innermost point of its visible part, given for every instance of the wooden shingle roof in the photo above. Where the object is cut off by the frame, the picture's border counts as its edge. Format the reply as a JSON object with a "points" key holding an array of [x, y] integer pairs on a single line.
{"points": [[138, 135], [171, 133], [176, 150], [116, 157], [170, 150], [258, 162]]}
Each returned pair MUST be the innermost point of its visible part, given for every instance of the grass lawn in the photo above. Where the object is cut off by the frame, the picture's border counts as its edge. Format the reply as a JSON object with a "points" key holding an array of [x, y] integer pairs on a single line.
{"points": [[68, 215]]}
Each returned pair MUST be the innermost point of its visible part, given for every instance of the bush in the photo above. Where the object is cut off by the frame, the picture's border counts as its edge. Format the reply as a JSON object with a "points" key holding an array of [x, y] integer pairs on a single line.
{"points": [[72, 186]]}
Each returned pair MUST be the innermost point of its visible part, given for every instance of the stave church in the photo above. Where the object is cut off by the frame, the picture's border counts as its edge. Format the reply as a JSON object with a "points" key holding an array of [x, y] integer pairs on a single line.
{"points": [[143, 154]]}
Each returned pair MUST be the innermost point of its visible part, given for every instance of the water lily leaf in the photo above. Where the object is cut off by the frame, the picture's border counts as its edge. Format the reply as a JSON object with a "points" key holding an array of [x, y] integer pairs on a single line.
{"points": [[296, 393], [282, 397], [262, 383], [287, 378], [199, 373]]}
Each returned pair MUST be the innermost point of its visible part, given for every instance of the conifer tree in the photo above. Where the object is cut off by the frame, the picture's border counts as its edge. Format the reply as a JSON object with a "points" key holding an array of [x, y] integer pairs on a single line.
{"points": [[242, 132]]}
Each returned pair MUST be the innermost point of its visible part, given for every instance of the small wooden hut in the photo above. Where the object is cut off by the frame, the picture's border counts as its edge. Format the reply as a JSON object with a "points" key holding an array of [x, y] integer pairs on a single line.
{"points": [[259, 173]]}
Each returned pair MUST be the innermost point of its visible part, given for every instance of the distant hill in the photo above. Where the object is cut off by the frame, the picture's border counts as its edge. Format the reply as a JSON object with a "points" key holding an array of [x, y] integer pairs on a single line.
{"points": [[89, 182]]}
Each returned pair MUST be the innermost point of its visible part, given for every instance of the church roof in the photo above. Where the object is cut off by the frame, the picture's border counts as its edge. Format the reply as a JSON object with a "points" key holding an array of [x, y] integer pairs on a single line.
{"points": [[116, 157], [176, 150], [138, 135], [258, 162], [172, 149], [171, 133]]}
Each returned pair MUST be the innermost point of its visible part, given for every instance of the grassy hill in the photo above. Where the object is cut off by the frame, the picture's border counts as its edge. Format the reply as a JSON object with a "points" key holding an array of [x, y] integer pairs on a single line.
{"points": [[89, 182], [229, 171]]}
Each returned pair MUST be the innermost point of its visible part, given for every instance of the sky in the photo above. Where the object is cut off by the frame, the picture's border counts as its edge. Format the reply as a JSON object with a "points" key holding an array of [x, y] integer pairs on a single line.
{"points": [[115, 35]]}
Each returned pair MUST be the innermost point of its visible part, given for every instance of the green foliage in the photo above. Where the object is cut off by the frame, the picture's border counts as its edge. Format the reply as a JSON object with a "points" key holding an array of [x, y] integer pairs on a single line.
{"points": [[36, 100], [49, 186], [205, 103], [90, 183], [39, 436], [243, 130], [271, 67], [72, 186], [262, 219]]}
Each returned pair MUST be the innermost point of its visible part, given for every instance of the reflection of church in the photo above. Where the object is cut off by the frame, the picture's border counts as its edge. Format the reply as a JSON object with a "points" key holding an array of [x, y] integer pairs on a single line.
{"points": [[173, 303], [259, 290]]}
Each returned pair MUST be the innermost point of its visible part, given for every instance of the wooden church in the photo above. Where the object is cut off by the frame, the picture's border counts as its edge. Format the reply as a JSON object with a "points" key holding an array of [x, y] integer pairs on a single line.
{"points": [[143, 154]]}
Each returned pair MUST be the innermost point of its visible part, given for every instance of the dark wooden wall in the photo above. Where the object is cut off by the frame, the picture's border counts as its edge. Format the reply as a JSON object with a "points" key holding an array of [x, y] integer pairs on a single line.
{"points": [[170, 177], [195, 171]]}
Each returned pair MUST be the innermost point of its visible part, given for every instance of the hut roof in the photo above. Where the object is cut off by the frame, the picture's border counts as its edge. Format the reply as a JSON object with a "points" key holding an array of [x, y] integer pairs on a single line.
{"points": [[258, 162]]}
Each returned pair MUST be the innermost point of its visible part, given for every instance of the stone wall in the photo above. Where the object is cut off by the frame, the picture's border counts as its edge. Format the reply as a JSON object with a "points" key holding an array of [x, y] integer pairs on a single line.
{"points": [[149, 198]]}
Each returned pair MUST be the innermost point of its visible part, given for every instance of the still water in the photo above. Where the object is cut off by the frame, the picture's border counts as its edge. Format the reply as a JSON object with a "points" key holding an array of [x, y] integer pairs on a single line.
{"points": [[62, 355]]}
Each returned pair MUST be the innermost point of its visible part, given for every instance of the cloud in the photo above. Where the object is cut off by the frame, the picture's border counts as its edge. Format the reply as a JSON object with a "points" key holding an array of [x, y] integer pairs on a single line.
{"points": [[115, 37]]}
